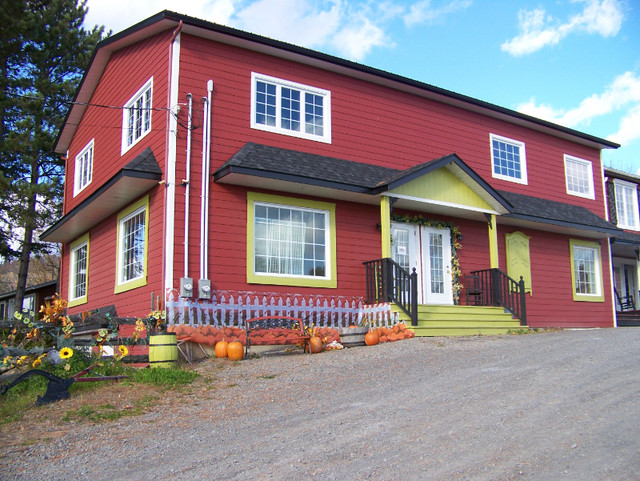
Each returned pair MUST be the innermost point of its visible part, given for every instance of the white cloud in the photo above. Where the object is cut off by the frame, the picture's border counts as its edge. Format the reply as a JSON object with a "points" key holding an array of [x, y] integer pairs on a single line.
{"points": [[538, 30], [624, 92], [629, 129], [110, 12], [423, 12], [296, 21], [356, 40]]}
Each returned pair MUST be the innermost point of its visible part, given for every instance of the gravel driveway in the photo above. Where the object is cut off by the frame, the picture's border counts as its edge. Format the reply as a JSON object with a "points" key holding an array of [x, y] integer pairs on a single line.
{"points": [[551, 406]]}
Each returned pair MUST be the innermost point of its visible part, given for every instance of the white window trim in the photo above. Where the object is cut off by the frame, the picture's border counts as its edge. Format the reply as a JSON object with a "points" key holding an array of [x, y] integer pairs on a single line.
{"points": [[77, 188], [634, 206], [586, 163], [77, 245], [523, 159], [125, 116], [326, 107]]}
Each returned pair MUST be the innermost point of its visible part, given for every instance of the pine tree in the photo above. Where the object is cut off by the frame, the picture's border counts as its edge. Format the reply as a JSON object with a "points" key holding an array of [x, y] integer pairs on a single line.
{"points": [[46, 51]]}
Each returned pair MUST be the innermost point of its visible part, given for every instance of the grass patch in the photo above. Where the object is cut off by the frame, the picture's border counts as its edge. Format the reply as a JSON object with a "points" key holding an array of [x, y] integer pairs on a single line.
{"points": [[21, 398], [108, 412]]}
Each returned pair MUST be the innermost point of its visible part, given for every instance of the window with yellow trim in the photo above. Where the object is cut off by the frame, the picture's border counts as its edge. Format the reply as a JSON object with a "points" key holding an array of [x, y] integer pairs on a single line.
{"points": [[133, 227], [586, 271], [290, 241], [78, 269]]}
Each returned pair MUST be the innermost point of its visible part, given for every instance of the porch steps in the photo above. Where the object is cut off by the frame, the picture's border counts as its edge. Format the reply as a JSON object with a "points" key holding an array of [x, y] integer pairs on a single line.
{"points": [[460, 320]]}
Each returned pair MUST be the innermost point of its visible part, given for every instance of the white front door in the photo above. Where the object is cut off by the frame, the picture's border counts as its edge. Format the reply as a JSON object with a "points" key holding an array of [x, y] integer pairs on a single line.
{"points": [[436, 253], [428, 250]]}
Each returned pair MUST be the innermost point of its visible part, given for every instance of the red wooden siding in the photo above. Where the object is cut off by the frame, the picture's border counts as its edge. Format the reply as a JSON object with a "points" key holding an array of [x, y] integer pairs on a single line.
{"points": [[127, 71], [102, 265]]}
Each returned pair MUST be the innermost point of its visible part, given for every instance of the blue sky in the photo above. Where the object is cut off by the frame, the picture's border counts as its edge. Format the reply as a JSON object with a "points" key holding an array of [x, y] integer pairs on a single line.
{"points": [[573, 62]]}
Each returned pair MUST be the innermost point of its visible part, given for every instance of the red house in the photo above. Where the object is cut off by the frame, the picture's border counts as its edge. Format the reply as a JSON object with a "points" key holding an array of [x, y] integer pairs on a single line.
{"points": [[219, 173]]}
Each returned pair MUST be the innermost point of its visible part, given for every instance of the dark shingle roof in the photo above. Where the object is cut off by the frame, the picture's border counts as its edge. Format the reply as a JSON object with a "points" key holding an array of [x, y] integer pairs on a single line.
{"points": [[274, 162], [531, 208], [627, 238], [146, 162], [301, 167]]}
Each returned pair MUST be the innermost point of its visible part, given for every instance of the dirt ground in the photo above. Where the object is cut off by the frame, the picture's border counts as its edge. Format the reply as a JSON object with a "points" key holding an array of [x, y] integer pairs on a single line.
{"points": [[558, 405]]}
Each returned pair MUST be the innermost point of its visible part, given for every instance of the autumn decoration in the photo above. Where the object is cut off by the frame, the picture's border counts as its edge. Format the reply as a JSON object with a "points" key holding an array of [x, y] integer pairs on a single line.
{"points": [[315, 345], [221, 349], [371, 338], [235, 351]]}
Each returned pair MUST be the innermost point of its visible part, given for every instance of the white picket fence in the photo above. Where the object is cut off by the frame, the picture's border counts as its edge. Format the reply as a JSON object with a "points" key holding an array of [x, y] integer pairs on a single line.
{"points": [[227, 309]]}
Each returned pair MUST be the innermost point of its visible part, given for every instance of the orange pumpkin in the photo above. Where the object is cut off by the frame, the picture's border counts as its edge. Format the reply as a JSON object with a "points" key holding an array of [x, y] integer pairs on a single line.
{"points": [[221, 349], [235, 351], [371, 338], [315, 345]]}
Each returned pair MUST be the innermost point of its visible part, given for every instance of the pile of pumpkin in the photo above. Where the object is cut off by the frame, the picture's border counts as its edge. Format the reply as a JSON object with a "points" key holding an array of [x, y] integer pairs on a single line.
{"points": [[209, 335], [395, 333]]}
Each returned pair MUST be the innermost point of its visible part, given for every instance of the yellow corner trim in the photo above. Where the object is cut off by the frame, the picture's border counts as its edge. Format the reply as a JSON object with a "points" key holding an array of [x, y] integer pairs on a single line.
{"points": [[141, 281], [299, 281], [586, 297]]}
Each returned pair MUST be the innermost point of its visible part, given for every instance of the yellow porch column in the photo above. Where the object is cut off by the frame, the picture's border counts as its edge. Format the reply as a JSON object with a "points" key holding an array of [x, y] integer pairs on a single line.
{"points": [[385, 223], [493, 242]]}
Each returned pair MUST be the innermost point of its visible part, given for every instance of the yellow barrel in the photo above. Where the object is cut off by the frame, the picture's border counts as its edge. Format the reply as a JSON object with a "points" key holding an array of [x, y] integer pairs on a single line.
{"points": [[163, 350]]}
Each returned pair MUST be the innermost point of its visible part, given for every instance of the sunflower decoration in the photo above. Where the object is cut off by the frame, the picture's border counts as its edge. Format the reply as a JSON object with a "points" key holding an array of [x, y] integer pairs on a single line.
{"points": [[36, 364], [120, 353], [66, 353]]}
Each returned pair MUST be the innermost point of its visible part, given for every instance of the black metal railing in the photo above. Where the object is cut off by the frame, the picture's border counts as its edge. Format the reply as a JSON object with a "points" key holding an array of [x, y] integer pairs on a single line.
{"points": [[387, 281], [495, 288]]}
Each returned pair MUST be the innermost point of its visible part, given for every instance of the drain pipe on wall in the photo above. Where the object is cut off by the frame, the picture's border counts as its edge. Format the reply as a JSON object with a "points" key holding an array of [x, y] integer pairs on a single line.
{"points": [[204, 284], [186, 283]]}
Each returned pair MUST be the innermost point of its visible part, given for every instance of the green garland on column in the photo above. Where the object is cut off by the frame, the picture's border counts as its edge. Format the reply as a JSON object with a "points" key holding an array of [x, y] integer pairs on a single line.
{"points": [[456, 272]]}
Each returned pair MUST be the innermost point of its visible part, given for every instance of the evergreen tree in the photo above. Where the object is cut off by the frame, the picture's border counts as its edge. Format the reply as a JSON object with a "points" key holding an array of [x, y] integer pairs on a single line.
{"points": [[44, 54]]}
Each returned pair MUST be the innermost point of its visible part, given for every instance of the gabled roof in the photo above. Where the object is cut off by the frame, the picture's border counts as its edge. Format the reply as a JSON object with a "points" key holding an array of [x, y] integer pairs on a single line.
{"points": [[129, 183], [559, 214], [167, 20]]}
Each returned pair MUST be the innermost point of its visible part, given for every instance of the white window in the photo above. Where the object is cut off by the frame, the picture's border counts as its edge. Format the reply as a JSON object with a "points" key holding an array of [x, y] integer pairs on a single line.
{"points": [[132, 246], [586, 272], [627, 204], [83, 169], [3, 310], [290, 241], [579, 177], [290, 108], [508, 159], [133, 235], [29, 303], [136, 121], [78, 271]]}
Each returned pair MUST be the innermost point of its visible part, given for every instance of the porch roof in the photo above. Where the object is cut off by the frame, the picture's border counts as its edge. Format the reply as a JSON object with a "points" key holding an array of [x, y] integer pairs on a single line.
{"points": [[262, 166], [129, 183], [558, 216], [274, 168]]}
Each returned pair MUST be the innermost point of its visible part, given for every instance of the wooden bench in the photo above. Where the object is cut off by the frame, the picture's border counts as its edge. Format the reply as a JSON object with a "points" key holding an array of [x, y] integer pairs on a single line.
{"points": [[275, 330]]}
